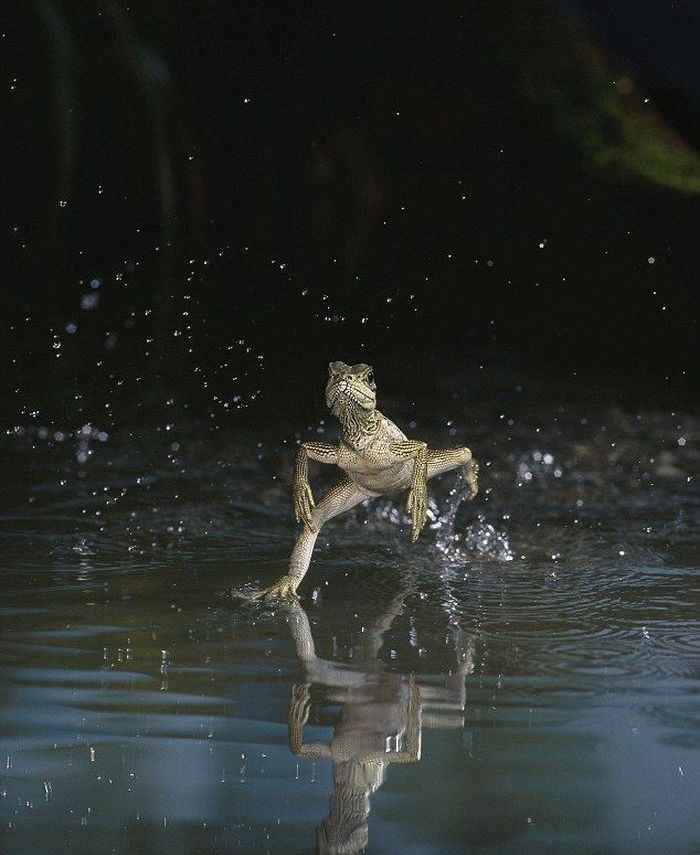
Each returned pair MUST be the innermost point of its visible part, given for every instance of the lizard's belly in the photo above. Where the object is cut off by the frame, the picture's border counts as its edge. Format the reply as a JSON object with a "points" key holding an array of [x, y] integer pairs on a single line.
{"points": [[383, 480], [368, 466]]}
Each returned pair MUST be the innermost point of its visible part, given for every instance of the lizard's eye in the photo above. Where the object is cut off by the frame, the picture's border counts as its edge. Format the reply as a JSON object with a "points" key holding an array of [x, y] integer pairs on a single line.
{"points": [[370, 377]]}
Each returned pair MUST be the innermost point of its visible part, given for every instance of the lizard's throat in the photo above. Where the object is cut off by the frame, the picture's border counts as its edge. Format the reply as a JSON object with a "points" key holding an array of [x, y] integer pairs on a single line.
{"points": [[356, 422]]}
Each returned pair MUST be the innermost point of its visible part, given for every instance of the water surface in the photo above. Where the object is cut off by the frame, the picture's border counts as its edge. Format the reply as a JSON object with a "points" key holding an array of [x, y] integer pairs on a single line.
{"points": [[523, 679]]}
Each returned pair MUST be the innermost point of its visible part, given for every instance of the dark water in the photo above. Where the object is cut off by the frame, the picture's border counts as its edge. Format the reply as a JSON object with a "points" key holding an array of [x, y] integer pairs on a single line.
{"points": [[524, 679]]}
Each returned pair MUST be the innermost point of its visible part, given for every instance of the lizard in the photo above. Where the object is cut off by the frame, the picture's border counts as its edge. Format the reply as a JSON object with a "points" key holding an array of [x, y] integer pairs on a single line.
{"points": [[376, 458]]}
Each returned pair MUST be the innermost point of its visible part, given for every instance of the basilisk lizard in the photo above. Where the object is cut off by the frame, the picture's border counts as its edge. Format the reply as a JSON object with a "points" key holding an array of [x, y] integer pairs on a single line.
{"points": [[375, 456]]}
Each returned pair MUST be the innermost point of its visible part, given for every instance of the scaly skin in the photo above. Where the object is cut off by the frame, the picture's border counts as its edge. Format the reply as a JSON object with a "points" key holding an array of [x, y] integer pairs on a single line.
{"points": [[375, 457]]}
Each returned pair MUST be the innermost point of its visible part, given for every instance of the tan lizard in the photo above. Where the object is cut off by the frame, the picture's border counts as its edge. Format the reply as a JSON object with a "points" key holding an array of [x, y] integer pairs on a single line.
{"points": [[376, 458]]}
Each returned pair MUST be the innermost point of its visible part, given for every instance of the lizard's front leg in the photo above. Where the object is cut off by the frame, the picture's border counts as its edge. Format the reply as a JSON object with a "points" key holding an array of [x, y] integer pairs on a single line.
{"points": [[297, 717], [417, 505], [301, 491], [411, 751]]}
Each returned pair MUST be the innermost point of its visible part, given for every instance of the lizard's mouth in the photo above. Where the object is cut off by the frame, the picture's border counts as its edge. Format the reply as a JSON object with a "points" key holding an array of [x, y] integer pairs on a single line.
{"points": [[365, 399], [359, 398], [350, 396]]}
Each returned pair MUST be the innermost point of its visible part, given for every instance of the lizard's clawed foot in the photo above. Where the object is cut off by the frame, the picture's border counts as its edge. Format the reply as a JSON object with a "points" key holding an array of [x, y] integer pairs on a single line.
{"points": [[285, 586], [417, 507], [471, 472], [304, 505]]}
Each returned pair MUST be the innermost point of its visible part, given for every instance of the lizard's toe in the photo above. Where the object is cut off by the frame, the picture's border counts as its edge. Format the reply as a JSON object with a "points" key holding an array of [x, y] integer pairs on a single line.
{"points": [[286, 586]]}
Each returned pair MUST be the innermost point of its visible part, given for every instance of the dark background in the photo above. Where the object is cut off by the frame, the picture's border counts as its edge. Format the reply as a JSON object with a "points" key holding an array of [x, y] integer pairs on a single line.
{"points": [[204, 202]]}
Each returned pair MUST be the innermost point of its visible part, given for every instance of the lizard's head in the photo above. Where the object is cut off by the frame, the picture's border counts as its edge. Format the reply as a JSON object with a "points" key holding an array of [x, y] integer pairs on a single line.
{"points": [[350, 388]]}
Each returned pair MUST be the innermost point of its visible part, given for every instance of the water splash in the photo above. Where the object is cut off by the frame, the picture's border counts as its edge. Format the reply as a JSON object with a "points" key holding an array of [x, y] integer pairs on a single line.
{"points": [[482, 538]]}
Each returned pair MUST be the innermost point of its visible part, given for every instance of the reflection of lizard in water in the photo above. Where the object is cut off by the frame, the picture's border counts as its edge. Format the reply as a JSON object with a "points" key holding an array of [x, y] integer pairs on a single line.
{"points": [[379, 722], [376, 458]]}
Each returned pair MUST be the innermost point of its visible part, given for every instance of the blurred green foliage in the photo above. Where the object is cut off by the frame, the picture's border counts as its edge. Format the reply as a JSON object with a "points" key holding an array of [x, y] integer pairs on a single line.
{"points": [[599, 111]]}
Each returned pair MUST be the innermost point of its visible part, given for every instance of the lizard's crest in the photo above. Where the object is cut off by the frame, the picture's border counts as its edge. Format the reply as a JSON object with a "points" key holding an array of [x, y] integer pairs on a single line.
{"points": [[350, 390]]}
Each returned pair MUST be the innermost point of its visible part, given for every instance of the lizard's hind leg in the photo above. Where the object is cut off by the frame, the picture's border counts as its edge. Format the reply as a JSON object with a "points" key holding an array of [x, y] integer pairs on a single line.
{"points": [[445, 459], [340, 498]]}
